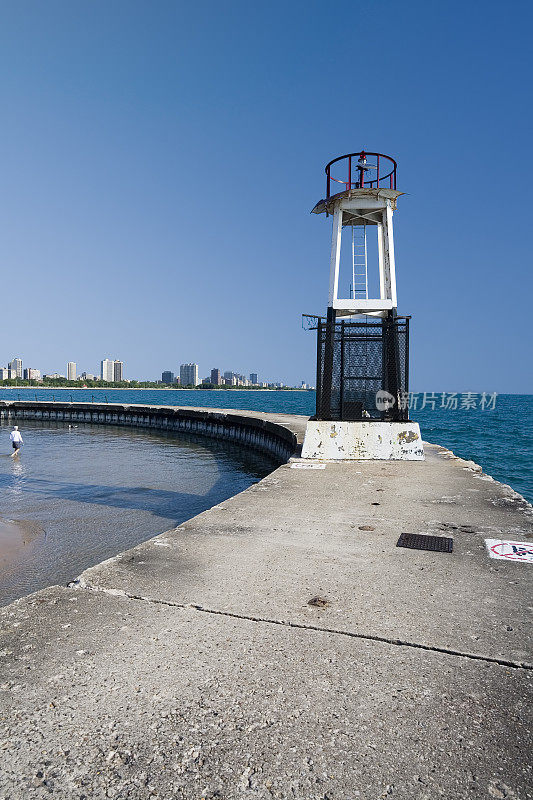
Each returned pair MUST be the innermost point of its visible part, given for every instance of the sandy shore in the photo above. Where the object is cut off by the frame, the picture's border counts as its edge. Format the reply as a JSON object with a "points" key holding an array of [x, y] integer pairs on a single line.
{"points": [[15, 536]]}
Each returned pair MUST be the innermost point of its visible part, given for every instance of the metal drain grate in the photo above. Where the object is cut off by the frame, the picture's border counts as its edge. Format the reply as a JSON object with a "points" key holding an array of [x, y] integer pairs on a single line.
{"points": [[421, 541]]}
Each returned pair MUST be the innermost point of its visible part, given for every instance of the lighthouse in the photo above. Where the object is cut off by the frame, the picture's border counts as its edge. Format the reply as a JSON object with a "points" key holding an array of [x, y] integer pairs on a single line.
{"points": [[362, 409]]}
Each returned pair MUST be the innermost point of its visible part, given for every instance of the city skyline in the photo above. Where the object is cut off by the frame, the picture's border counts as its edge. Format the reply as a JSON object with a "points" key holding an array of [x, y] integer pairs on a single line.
{"points": [[112, 371]]}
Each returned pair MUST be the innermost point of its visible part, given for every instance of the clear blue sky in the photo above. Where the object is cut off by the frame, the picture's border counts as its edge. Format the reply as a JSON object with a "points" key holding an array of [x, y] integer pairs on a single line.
{"points": [[160, 159]]}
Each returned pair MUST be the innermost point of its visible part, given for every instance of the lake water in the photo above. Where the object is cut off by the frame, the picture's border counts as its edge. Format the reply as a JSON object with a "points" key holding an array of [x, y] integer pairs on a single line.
{"points": [[76, 497], [501, 440]]}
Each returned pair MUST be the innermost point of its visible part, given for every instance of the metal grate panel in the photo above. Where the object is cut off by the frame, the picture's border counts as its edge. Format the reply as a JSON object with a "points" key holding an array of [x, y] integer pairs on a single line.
{"points": [[422, 541], [355, 361]]}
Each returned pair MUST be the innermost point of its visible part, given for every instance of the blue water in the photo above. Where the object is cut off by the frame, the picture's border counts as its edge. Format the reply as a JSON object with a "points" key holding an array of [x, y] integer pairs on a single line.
{"points": [[78, 495], [286, 402], [501, 440]]}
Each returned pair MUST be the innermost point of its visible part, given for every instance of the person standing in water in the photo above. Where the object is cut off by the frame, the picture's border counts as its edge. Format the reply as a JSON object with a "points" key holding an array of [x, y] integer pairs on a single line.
{"points": [[16, 440]]}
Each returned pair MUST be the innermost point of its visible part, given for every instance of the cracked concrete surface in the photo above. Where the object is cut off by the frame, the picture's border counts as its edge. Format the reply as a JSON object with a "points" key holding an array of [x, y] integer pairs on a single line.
{"points": [[302, 626], [193, 665], [297, 534]]}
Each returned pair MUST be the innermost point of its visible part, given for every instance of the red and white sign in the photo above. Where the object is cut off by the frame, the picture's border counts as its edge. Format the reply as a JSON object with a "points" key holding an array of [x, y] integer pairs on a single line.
{"points": [[510, 551]]}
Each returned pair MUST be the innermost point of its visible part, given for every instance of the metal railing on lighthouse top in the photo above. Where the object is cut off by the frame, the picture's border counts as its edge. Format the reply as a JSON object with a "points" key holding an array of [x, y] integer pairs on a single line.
{"points": [[360, 171]]}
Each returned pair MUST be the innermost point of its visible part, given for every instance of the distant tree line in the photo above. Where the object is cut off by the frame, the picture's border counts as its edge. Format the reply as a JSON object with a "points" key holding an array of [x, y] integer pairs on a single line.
{"points": [[59, 383]]}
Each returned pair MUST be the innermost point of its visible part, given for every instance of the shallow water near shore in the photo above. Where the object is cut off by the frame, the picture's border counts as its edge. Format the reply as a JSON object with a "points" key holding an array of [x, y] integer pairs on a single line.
{"points": [[499, 438], [76, 496]]}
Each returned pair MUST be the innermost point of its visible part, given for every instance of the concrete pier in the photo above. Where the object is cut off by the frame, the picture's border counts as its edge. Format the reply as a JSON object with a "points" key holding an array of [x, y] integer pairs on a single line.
{"points": [[280, 645]]}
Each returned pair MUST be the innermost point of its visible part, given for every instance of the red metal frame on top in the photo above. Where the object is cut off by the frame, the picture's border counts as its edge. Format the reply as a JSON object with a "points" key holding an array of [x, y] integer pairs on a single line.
{"points": [[360, 169]]}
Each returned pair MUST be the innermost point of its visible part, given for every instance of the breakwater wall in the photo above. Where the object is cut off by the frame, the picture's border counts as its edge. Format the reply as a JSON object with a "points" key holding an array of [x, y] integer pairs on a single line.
{"points": [[258, 430]]}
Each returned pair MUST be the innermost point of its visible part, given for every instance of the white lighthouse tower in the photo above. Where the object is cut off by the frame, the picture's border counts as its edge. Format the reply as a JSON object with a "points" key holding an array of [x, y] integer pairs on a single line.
{"points": [[363, 344]]}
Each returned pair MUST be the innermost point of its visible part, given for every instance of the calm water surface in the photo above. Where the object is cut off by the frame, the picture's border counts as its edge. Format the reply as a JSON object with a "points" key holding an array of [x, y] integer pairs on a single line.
{"points": [[501, 440], [76, 497]]}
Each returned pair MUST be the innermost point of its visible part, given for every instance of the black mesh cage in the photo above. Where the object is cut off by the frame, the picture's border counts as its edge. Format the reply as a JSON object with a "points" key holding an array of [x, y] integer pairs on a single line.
{"points": [[362, 369]]}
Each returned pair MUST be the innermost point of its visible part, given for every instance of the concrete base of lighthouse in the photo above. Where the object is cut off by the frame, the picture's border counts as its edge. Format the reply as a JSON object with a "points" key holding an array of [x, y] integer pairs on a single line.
{"points": [[355, 441]]}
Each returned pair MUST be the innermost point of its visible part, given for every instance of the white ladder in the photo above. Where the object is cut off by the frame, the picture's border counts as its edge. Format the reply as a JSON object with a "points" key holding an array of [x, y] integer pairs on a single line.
{"points": [[359, 287]]}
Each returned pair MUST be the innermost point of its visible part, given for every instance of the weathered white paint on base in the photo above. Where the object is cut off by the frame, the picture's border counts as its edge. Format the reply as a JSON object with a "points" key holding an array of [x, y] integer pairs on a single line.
{"points": [[347, 441]]}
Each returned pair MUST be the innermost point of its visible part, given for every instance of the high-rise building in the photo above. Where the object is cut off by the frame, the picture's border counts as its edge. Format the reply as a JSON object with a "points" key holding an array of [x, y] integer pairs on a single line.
{"points": [[4, 373], [167, 377], [107, 370], [16, 367], [253, 378], [189, 375], [228, 376], [216, 377], [118, 371], [71, 371], [32, 374]]}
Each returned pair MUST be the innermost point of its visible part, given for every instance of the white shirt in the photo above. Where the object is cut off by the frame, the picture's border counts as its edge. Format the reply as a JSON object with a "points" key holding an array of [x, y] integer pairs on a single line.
{"points": [[15, 436]]}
